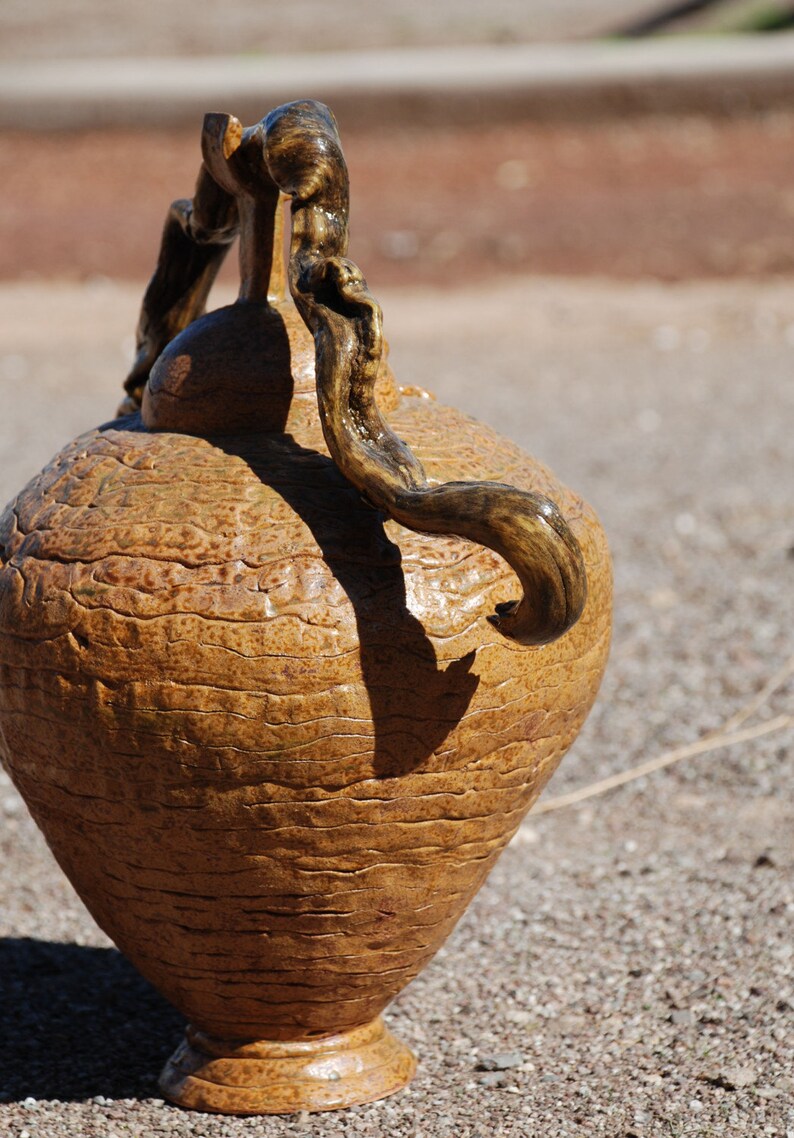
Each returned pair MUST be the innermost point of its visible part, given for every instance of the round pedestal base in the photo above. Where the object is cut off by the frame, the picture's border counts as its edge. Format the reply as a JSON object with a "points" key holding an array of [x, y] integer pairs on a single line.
{"points": [[233, 1077]]}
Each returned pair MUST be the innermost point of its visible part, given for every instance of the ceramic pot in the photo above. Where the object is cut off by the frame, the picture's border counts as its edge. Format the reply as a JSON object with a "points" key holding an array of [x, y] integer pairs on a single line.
{"points": [[263, 686]]}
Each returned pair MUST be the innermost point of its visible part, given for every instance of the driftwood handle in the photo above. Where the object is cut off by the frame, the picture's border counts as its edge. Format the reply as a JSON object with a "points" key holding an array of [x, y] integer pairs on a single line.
{"points": [[305, 160], [296, 150], [196, 238]]}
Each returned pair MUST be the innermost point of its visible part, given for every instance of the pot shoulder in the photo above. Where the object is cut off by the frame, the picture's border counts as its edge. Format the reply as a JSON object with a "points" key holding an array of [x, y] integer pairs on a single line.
{"points": [[261, 536], [237, 700]]}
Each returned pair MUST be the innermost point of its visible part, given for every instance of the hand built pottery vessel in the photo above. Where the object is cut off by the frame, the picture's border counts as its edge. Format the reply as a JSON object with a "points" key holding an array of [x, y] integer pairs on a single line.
{"points": [[263, 687]]}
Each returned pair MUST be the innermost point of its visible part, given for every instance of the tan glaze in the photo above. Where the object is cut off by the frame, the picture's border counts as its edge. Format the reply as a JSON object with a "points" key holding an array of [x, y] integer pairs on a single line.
{"points": [[335, 1071], [267, 729]]}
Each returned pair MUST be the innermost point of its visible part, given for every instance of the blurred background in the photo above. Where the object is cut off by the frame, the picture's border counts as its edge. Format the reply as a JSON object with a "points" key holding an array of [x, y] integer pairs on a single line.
{"points": [[628, 138], [578, 217]]}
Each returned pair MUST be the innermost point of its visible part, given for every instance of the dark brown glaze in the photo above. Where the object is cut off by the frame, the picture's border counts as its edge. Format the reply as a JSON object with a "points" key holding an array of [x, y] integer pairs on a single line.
{"points": [[305, 159], [296, 149], [196, 238]]}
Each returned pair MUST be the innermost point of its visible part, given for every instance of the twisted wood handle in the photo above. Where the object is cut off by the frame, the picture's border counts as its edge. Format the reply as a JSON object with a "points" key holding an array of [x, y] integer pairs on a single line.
{"points": [[296, 150], [304, 157], [196, 238]]}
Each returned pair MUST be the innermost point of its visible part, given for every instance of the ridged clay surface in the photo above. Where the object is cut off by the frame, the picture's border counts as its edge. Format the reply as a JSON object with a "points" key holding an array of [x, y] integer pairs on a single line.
{"points": [[271, 738]]}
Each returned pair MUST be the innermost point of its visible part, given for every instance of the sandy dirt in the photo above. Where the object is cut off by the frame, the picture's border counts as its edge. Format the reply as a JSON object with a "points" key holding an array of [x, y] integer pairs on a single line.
{"points": [[630, 959], [664, 198]]}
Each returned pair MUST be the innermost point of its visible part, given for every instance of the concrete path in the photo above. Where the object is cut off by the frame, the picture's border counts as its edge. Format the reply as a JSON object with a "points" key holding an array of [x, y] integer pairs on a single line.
{"points": [[116, 29], [470, 84]]}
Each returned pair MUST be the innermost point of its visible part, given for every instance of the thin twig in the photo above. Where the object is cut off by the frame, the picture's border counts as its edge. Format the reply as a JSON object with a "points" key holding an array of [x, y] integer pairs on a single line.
{"points": [[759, 699], [710, 743], [725, 736]]}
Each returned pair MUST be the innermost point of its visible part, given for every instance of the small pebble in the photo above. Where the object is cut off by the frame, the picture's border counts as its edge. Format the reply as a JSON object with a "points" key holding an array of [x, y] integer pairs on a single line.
{"points": [[492, 1079], [666, 338], [733, 1078], [501, 1062]]}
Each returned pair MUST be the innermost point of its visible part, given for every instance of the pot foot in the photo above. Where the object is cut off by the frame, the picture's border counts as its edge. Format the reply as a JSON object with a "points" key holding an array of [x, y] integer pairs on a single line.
{"points": [[269, 1077]]}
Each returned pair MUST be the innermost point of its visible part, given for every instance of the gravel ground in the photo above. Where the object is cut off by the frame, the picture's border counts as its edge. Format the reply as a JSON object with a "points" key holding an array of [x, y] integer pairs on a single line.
{"points": [[627, 969]]}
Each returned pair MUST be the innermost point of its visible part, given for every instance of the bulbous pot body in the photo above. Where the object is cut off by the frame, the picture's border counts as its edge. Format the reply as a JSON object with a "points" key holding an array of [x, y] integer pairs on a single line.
{"points": [[267, 731]]}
